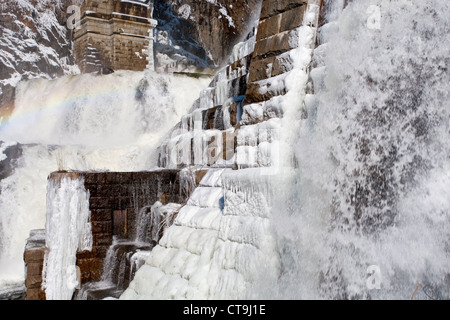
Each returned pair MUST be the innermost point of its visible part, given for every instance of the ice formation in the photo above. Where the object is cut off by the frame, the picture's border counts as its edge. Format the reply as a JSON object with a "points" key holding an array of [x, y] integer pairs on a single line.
{"points": [[68, 230]]}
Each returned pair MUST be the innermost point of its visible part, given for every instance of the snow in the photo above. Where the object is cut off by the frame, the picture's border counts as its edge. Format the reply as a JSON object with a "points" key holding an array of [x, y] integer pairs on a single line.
{"points": [[185, 11]]}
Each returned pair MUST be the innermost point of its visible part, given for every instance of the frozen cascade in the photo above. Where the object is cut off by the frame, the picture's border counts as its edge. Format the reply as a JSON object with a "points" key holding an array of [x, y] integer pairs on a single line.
{"points": [[363, 211], [86, 122], [68, 230], [187, 144], [354, 202]]}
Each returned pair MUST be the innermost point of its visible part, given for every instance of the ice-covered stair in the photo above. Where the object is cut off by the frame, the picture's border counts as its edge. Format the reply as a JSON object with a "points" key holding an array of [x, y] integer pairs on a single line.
{"points": [[218, 245]]}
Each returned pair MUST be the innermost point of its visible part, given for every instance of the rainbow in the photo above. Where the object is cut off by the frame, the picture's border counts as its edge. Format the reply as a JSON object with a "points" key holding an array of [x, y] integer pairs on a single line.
{"points": [[66, 93]]}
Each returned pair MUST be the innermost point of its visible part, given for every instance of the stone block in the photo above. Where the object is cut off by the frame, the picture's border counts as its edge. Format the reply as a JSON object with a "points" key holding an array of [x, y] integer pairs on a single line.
{"points": [[276, 45], [270, 8], [199, 174], [264, 91], [101, 214], [229, 145], [101, 239], [269, 27], [100, 251], [118, 177], [90, 269], [33, 281], [261, 69], [282, 64], [34, 255], [101, 227], [34, 268], [99, 203], [108, 190]]}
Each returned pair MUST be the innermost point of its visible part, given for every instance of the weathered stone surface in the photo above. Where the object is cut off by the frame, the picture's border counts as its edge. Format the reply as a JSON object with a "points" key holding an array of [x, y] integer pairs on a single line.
{"points": [[101, 215], [35, 294], [34, 255], [219, 25], [33, 281], [292, 19], [263, 91], [102, 226], [282, 64], [199, 174], [277, 37], [90, 269], [229, 145]]}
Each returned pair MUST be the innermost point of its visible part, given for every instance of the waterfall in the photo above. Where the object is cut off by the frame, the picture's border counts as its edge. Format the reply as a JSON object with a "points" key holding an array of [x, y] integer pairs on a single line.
{"points": [[367, 216]]}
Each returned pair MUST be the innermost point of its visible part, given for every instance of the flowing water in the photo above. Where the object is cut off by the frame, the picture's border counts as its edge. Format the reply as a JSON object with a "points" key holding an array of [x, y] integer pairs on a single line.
{"points": [[84, 122]]}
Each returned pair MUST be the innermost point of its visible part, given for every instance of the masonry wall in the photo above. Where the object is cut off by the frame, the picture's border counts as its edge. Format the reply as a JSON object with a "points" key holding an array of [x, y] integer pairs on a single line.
{"points": [[113, 35]]}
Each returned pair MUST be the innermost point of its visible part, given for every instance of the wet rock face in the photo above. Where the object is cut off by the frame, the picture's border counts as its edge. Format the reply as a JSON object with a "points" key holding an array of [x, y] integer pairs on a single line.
{"points": [[206, 29]]}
